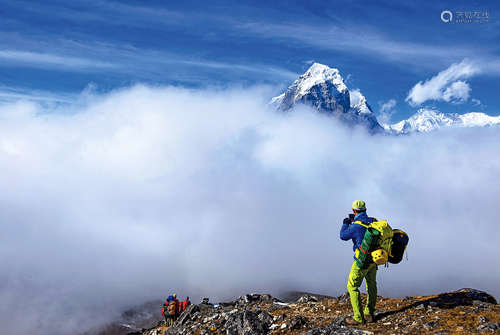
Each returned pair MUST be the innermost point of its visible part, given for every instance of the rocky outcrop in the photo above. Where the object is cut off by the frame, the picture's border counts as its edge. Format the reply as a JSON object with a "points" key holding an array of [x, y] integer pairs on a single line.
{"points": [[307, 298], [466, 311], [248, 323]]}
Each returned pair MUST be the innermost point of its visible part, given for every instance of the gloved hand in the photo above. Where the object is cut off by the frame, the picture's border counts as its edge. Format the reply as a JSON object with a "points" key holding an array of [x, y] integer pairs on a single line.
{"points": [[347, 221]]}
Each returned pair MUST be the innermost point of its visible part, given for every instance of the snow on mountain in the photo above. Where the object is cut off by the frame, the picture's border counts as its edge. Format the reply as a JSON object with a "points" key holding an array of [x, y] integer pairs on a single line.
{"points": [[425, 120], [323, 88], [358, 102]]}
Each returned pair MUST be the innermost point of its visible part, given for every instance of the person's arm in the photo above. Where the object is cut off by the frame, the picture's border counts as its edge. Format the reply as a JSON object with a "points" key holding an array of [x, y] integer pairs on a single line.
{"points": [[346, 232]]}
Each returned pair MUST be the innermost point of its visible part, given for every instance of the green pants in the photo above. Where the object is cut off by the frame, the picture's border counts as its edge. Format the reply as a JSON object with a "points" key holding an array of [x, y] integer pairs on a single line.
{"points": [[356, 277]]}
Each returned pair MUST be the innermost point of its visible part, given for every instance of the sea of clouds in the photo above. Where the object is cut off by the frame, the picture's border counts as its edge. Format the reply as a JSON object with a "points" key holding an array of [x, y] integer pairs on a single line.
{"points": [[132, 195]]}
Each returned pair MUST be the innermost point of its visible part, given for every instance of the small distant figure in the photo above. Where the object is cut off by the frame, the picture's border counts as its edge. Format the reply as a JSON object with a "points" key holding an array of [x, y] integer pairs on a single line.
{"points": [[164, 310], [185, 304], [171, 310]]}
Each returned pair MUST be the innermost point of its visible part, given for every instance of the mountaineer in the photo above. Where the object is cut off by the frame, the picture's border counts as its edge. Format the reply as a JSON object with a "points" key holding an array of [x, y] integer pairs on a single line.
{"points": [[354, 228], [170, 310], [164, 310], [173, 308], [184, 304]]}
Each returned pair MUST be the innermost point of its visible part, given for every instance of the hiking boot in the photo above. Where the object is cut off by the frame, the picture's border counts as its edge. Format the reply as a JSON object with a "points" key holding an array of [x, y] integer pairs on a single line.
{"points": [[351, 322], [370, 318]]}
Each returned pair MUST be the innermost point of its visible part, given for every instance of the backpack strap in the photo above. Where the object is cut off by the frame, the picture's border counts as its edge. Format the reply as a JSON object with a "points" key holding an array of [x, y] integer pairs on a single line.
{"points": [[361, 224]]}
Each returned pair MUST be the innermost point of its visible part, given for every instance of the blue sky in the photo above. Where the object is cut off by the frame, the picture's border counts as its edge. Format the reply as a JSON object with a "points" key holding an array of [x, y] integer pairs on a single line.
{"points": [[54, 50]]}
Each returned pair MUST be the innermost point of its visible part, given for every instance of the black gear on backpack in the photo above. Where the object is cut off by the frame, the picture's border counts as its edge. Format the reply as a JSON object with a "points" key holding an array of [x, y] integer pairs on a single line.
{"points": [[400, 240]]}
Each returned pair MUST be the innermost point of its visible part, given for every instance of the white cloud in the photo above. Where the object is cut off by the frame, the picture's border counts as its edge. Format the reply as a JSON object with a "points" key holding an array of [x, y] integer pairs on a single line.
{"points": [[353, 39], [370, 41], [13, 94], [476, 102], [51, 60], [386, 111], [457, 92], [149, 190], [445, 86], [126, 59], [387, 106]]}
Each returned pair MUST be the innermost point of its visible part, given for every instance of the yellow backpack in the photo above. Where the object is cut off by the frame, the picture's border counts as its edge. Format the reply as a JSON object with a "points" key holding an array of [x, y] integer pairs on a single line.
{"points": [[381, 247]]}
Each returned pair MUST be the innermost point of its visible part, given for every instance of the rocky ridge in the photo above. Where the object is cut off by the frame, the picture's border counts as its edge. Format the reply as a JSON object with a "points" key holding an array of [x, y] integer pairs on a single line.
{"points": [[466, 311]]}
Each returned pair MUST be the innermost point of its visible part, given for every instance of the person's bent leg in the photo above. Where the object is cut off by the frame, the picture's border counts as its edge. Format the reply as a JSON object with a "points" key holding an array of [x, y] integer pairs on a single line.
{"points": [[371, 288], [353, 284]]}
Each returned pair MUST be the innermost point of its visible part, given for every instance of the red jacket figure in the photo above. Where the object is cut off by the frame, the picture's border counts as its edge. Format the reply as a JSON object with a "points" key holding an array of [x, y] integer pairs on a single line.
{"points": [[186, 303]]}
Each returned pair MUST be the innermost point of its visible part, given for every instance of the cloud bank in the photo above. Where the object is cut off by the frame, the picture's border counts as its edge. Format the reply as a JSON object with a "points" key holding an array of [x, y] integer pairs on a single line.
{"points": [[445, 86], [146, 191]]}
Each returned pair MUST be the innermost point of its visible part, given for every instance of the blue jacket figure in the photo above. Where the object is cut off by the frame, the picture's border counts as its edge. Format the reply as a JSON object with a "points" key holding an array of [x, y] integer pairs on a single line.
{"points": [[355, 232]]}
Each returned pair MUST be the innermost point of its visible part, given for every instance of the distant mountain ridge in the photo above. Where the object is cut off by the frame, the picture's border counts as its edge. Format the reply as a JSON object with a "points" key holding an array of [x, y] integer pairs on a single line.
{"points": [[324, 89], [426, 120]]}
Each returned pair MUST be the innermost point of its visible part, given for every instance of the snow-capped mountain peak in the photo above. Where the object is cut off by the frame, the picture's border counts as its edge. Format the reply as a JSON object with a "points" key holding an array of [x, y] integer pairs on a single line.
{"points": [[319, 73], [324, 89]]}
